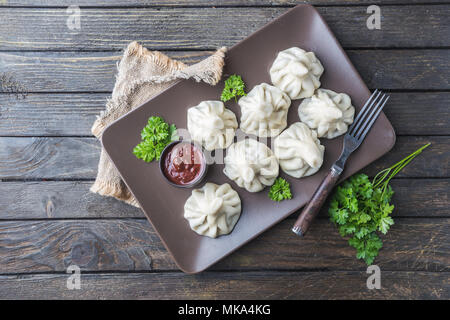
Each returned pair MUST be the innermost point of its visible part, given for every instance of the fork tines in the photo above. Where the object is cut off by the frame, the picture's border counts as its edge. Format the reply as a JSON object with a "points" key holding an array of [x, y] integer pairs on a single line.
{"points": [[368, 114]]}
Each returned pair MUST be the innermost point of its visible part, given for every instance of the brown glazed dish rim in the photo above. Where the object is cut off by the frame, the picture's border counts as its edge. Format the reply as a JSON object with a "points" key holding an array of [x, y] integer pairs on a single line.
{"points": [[191, 252], [192, 183]]}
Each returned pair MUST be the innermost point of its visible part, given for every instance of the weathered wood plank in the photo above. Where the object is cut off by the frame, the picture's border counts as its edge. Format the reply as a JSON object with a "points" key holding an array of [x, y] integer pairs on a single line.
{"points": [[88, 72], [48, 157], [71, 71], [75, 158], [424, 113], [132, 245], [206, 28], [431, 194], [233, 286], [422, 69], [73, 114], [50, 114], [433, 162], [207, 3], [72, 200]]}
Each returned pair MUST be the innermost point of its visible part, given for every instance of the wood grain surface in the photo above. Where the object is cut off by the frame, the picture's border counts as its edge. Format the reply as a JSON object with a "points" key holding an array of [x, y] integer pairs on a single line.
{"points": [[207, 28], [48, 157], [132, 245], [230, 285], [205, 3]]}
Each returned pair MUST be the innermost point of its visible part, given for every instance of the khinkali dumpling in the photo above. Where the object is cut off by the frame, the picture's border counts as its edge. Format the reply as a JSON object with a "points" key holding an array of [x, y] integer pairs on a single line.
{"points": [[299, 150], [211, 124], [264, 111], [251, 164], [296, 72], [328, 112], [213, 210]]}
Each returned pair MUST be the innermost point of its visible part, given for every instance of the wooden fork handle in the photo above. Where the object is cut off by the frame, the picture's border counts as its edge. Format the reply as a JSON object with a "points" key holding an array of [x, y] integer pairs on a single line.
{"points": [[312, 208]]}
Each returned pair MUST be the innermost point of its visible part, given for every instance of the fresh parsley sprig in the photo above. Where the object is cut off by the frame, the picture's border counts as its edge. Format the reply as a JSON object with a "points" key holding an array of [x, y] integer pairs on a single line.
{"points": [[155, 136], [361, 208], [280, 190], [234, 87]]}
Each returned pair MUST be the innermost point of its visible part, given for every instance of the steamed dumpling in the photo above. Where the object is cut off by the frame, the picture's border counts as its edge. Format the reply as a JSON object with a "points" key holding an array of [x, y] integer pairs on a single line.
{"points": [[328, 112], [213, 210], [299, 151], [212, 125], [264, 111], [251, 164], [296, 72]]}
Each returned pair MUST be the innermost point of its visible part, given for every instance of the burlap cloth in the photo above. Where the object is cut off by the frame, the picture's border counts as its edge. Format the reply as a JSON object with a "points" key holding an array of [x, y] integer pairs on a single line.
{"points": [[141, 75]]}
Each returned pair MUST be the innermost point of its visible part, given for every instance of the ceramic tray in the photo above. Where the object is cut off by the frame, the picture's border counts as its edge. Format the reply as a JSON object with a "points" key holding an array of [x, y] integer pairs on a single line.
{"points": [[163, 204]]}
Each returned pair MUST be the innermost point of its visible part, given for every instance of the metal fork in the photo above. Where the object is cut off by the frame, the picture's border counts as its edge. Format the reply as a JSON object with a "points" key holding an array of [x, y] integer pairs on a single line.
{"points": [[352, 140]]}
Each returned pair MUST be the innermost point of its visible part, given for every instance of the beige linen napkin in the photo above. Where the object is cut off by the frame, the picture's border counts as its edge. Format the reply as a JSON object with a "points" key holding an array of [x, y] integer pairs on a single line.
{"points": [[141, 75]]}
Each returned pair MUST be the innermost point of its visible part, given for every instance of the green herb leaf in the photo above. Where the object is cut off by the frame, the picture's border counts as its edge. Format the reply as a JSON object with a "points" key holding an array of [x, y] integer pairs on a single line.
{"points": [[145, 150], [155, 136], [234, 87], [366, 248], [280, 190]]}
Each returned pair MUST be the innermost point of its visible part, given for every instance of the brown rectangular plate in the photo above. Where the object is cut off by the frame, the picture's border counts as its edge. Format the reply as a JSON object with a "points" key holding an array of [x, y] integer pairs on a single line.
{"points": [[163, 204]]}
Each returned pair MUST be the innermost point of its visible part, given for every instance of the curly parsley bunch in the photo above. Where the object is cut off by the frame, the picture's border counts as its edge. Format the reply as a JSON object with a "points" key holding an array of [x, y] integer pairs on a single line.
{"points": [[156, 135], [234, 87], [360, 208], [280, 190]]}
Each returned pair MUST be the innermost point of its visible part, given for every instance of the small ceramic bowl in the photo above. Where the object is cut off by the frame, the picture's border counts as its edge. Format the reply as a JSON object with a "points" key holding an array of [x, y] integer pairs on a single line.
{"points": [[195, 181]]}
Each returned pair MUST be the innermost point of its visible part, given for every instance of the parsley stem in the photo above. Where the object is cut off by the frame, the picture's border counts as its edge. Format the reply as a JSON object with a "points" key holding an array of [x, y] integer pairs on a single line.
{"points": [[382, 179], [385, 173]]}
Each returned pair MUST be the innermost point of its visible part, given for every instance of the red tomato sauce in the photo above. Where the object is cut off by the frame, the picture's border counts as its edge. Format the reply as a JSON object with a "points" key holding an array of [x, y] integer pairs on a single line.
{"points": [[183, 163]]}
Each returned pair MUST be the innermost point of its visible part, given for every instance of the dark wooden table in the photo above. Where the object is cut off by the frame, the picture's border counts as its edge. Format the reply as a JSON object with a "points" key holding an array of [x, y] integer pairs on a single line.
{"points": [[48, 158]]}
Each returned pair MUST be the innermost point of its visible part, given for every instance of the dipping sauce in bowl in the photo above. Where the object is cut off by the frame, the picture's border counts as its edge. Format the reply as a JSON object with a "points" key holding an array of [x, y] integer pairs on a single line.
{"points": [[183, 164]]}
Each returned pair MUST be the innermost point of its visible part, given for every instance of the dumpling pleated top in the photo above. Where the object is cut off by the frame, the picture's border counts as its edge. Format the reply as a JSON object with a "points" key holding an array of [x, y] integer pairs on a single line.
{"points": [[327, 112], [213, 210], [251, 164], [264, 111], [211, 124], [296, 72], [299, 151]]}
